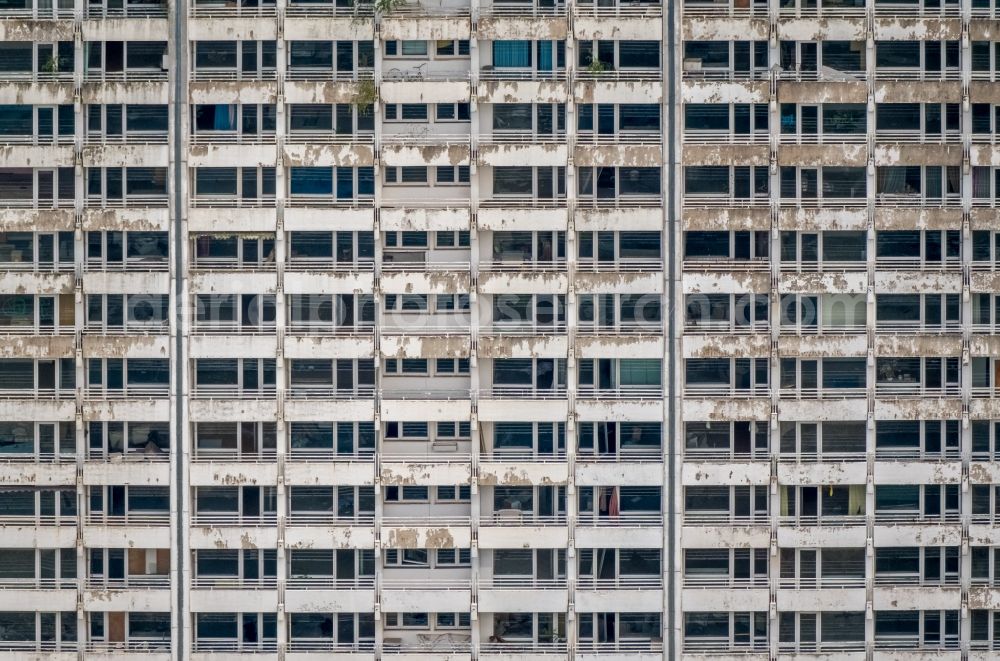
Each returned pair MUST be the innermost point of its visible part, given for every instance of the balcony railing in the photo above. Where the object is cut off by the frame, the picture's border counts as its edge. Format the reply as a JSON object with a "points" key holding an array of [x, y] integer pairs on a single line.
{"points": [[620, 520], [914, 642], [823, 393], [725, 8], [230, 10], [725, 581], [900, 390], [725, 518], [726, 137], [137, 391], [328, 645], [50, 13], [725, 454], [715, 390], [328, 455], [329, 392], [138, 10], [723, 645], [230, 264], [725, 265], [152, 201], [127, 76], [236, 75], [128, 519], [37, 329], [36, 76], [730, 327], [918, 264], [330, 519], [490, 73], [37, 393], [138, 582], [620, 392], [234, 646], [36, 140], [894, 579], [915, 517], [130, 138], [234, 583], [205, 455], [232, 391], [505, 582], [507, 649], [133, 644], [232, 138], [626, 582], [128, 265], [232, 328], [523, 10], [822, 582], [234, 519], [232, 202], [824, 647], [359, 11], [329, 583], [823, 520], [522, 392]]}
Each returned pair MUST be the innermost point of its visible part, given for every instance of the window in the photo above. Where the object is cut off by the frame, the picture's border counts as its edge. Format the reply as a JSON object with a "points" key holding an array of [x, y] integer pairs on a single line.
{"points": [[451, 174], [452, 112], [406, 366], [460, 494], [406, 112], [407, 494], [451, 365], [407, 174], [451, 47]]}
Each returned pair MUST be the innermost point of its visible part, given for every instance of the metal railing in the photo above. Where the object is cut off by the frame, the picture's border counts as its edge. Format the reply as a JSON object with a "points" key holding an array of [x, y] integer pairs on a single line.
{"points": [[128, 519], [234, 519]]}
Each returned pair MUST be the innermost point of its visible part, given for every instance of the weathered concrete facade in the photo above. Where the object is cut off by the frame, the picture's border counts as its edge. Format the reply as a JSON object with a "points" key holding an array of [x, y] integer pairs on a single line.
{"points": [[490, 330]]}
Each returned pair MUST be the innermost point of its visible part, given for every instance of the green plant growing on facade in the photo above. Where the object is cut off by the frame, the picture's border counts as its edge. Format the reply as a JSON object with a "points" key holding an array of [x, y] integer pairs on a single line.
{"points": [[596, 66], [386, 7], [51, 65], [366, 96]]}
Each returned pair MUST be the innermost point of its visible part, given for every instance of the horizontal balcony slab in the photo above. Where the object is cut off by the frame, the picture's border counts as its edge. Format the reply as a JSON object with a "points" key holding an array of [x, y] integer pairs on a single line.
{"points": [[341, 410], [918, 472], [317, 282], [523, 26], [517, 154], [438, 91], [917, 535], [723, 154], [232, 219], [632, 219], [522, 91], [619, 91], [420, 219], [821, 536], [132, 469], [622, 472], [626, 282], [333, 473], [425, 473], [839, 599], [619, 601], [232, 346], [500, 219], [498, 345], [618, 27], [36, 156], [226, 91], [915, 598], [728, 473], [621, 536], [516, 473], [724, 600], [523, 536], [313, 27], [33, 346], [828, 408], [722, 536], [717, 408], [842, 473], [232, 155], [40, 475], [129, 601], [137, 92], [433, 282], [699, 91], [249, 282], [14, 282], [715, 219], [232, 28], [214, 473], [650, 410], [221, 600], [418, 409], [918, 91], [330, 537], [127, 346], [725, 283], [826, 283], [135, 155], [424, 600], [228, 410], [232, 537], [128, 536], [318, 600], [549, 600], [717, 345], [334, 91], [925, 408], [426, 537], [361, 346], [16, 599], [522, 410], [620, 346], [402, 155]]}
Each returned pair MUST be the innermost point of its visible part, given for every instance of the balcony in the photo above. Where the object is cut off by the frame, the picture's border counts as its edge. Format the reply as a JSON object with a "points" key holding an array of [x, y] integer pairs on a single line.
{"points": [[914, 389], [232, 202], [131, 391]]}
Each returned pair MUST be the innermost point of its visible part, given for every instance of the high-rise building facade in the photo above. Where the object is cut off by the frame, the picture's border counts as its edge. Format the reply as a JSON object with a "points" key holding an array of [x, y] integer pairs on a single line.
{"points": [[498, 329]]}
